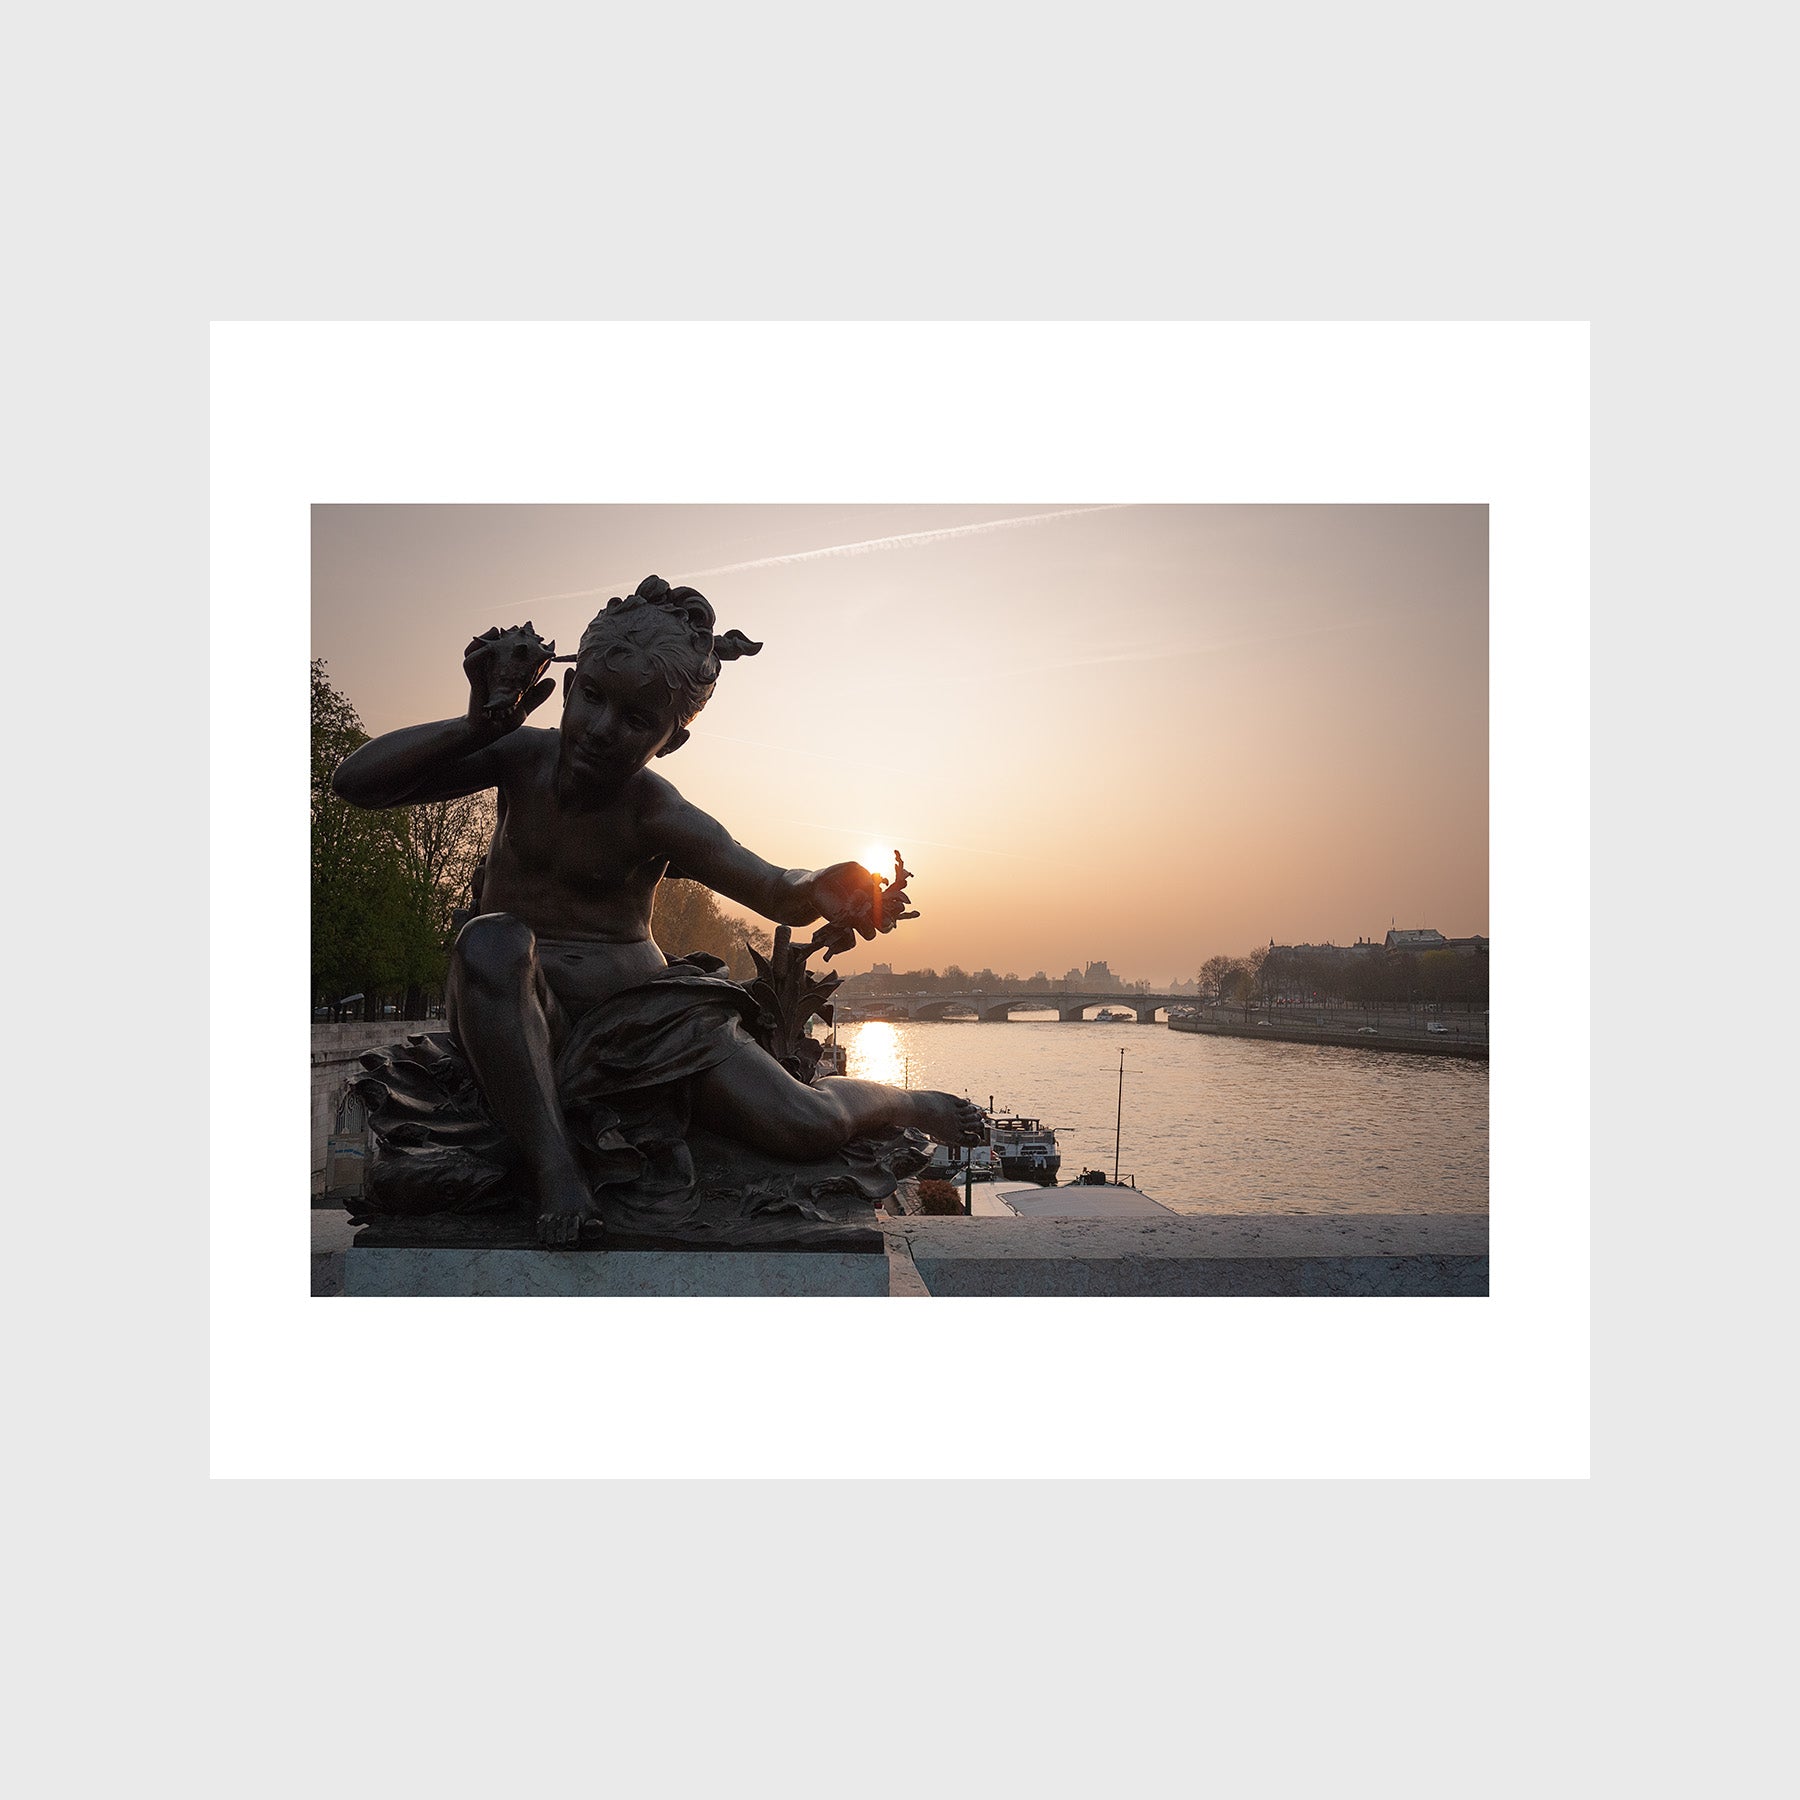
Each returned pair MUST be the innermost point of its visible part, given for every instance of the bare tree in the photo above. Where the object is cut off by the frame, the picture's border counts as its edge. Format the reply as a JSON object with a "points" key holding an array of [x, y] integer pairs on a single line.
{"points": [[688, 917], [1215, 973], [441, 841]]}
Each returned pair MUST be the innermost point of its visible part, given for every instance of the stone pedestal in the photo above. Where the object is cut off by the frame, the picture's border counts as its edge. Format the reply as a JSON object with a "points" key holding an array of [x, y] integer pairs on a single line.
{"points": [[613, 1273]]}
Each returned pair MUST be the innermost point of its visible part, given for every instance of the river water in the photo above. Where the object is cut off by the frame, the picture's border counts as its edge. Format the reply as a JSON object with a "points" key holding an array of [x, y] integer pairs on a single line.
{"points": [[1217, 1124]]}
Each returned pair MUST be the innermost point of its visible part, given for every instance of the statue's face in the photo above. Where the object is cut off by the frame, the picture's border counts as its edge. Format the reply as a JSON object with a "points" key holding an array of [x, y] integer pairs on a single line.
{"points": [[615, 720]]}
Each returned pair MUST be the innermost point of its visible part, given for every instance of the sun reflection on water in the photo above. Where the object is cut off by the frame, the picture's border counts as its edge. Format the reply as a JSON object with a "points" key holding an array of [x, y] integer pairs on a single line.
{"points": [[875, 1053]]}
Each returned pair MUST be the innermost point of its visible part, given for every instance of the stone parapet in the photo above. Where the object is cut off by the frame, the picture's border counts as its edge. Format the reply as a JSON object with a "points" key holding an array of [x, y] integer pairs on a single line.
{"points": [[1183, 1254], [1415, 1254], [335, 1049]]}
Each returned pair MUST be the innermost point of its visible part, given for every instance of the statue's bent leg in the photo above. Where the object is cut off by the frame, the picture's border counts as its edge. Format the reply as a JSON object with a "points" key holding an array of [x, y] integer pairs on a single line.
{"points": [[752, 1098], [504, 1016]]}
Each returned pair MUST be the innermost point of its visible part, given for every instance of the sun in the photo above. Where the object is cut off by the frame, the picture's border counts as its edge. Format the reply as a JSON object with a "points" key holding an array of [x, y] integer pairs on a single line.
{"points": [[878, 860]]}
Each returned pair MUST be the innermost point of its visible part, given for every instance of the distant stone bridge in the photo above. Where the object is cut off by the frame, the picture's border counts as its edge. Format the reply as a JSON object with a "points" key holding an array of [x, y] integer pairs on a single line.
{"points": [[996, 1007]]}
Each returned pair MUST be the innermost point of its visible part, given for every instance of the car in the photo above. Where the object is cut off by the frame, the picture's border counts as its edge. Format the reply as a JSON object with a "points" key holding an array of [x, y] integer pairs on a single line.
{"points": [[1369, 1029], [1435, 1026]]}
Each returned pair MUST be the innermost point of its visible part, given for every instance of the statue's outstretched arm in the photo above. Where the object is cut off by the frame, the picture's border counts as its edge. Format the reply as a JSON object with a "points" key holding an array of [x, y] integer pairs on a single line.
{"points": [[706, 852], [846, 894]]}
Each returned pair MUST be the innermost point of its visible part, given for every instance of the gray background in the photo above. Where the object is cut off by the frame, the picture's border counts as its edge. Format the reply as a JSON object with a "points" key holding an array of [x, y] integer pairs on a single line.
{"points": [[1407, 164]]}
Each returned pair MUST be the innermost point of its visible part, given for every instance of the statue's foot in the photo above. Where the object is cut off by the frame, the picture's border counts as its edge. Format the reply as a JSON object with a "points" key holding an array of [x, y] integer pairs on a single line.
{"points": [[950, 1120], [563, 1204]]}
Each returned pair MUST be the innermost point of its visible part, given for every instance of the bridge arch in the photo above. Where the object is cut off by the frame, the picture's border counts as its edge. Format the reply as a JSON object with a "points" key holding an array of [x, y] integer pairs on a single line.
{"points": [[996, 1008], [1000, 1011], [1142, 1007], [936, 1009]]}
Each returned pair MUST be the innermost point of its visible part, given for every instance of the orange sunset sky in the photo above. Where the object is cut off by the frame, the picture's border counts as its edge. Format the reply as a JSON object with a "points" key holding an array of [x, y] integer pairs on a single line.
{"points": [[1139, 733]]}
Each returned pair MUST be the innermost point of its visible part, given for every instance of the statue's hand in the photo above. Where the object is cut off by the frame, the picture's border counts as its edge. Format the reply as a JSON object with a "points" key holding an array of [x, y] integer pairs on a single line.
{"points": [[848, 895], [502, 669]]}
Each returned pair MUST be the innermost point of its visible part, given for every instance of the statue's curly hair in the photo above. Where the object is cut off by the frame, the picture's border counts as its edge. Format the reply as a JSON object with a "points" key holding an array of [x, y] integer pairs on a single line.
{"points": [[671, 630]]}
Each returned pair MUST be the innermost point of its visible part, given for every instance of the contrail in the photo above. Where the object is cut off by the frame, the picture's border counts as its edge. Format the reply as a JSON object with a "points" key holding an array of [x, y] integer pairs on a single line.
{"points": [[1167, 652], [866, 547]]}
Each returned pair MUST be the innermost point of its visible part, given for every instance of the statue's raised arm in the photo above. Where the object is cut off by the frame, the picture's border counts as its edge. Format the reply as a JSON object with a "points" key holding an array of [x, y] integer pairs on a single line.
{"points": [[453, 757]]}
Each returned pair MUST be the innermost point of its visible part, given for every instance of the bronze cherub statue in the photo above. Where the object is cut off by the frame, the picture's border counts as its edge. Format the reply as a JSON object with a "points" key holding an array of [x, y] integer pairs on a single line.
{"points": [[579, 1057]]}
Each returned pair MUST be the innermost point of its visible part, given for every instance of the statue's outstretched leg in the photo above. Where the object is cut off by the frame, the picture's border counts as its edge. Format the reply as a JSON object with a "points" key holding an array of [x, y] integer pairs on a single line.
{"points": [[506, 1019], [752, 1098]]}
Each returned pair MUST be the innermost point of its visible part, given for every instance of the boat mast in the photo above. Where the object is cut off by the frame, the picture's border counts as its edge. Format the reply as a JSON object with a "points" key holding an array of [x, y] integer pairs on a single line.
{"points": [[1119, 1122]]}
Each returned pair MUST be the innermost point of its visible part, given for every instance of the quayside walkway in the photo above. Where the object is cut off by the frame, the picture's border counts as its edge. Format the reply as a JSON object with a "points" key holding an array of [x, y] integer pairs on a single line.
{"points": [[1452, 1041]]}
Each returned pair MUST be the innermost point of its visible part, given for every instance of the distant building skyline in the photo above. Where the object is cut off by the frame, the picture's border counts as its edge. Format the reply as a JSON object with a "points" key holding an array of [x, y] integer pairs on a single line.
{"points": [[1098, 977]]}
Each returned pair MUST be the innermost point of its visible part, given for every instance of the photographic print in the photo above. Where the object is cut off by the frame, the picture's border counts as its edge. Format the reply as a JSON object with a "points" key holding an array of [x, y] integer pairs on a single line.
{"points": [[900, 900]]}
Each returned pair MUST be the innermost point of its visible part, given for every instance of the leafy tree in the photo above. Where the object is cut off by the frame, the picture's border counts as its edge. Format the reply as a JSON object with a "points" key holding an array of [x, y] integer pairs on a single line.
{"points": [[384, 881], [357, 881]]}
